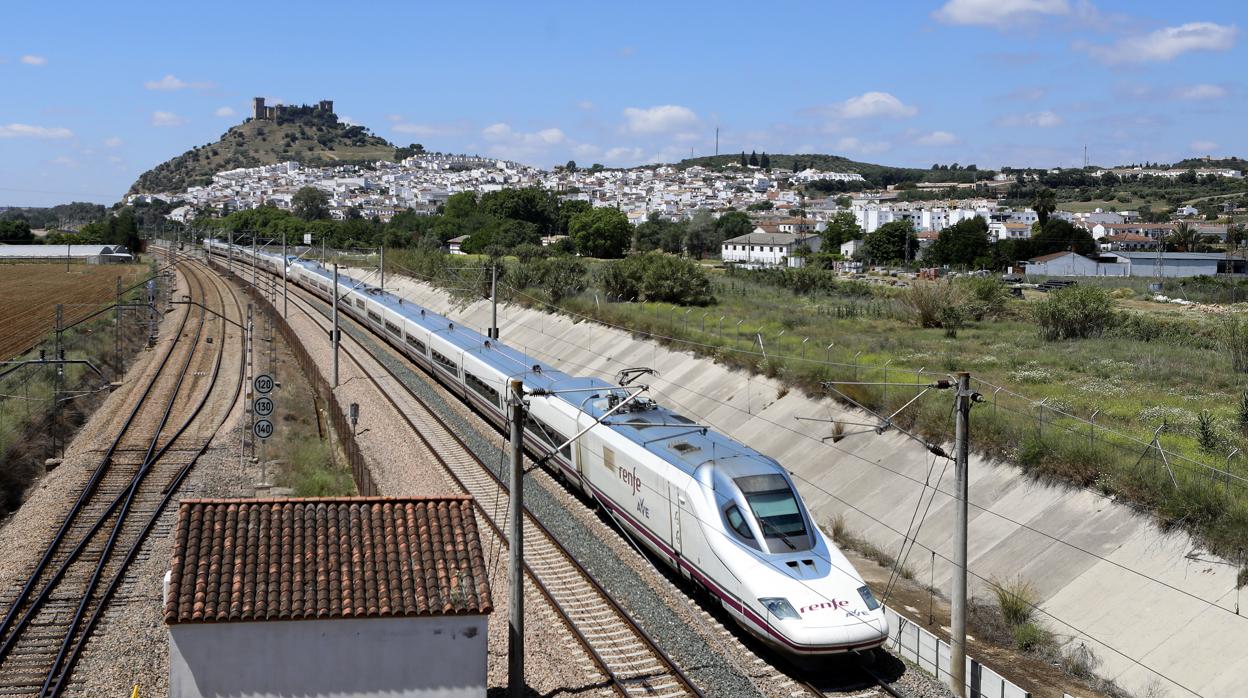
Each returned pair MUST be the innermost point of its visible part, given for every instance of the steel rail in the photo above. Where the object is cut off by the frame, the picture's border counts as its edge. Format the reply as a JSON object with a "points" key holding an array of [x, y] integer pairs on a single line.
{"points": [[83, 498], [647, 640], [55, 687]]}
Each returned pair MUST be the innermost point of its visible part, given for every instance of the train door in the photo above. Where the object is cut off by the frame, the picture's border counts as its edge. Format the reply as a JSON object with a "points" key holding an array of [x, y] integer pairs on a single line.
{"points": [[675, 500]]}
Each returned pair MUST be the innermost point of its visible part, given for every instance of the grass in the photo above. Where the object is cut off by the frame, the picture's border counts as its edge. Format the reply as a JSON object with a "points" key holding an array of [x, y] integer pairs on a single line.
{"points": [[311, 471], [845, 538]]}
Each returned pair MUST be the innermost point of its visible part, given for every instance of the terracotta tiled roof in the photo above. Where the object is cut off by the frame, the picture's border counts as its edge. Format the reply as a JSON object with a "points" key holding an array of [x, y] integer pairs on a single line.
{"points": [[285, 559]]}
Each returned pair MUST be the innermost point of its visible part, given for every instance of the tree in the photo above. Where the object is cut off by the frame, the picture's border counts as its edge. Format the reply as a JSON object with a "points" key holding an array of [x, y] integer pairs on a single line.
{"points": [[891, 243], [699, 233], [15, 232], [730, 225], [764, 161], [571, 166], [753, 159], [1235, 234], [310, 204], [844, 201], [460, 205], [744, 161], [601, 232], [651, 234], [961, 244], [1057, 236], [1186, 238], [568, 210], [1044, 202], [841, 229], [531, 204]]}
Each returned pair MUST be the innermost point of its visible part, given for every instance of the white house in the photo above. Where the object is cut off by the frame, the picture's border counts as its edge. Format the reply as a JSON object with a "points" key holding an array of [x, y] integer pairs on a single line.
{"points": [[454, 244], [350, 598], [851, 248], [998, 230], [767, 247]]}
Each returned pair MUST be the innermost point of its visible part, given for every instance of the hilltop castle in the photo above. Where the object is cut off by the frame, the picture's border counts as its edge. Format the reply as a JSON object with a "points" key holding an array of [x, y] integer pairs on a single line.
{"points": [[259, 111]]}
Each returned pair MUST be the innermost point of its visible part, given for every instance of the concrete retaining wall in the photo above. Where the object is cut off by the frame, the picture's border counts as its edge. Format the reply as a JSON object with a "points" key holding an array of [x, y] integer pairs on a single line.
{"points": [[1155, 609]]}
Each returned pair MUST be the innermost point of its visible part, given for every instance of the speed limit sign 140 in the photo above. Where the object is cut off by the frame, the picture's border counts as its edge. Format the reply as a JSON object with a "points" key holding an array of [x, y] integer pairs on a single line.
{"points": [[263, 429]]}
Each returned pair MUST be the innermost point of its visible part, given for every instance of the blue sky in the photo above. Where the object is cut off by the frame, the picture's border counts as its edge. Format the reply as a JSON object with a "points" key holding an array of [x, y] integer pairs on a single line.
{"points": [[96, 93]]}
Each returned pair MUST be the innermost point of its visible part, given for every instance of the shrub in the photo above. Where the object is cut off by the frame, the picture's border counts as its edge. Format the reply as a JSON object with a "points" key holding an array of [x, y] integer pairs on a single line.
{"points": [[1016, 599], [657, 277], [1206, 431], [1243, 411], [1030, 637], [985, 296], [930, 303], [1074, 312], [1235, 342]]}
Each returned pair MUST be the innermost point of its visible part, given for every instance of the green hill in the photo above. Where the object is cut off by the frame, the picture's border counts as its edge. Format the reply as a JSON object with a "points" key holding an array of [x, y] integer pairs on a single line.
{"points": [[875, 174], [306, 135]]}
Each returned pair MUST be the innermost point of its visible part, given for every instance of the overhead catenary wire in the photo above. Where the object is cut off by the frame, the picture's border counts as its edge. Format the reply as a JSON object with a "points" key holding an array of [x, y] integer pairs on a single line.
{"points": [[886, 525]]}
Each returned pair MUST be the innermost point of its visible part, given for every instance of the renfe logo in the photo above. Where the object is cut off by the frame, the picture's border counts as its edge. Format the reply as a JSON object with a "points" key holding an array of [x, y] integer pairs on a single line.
{"points": [[630, 478], [832, 605]]}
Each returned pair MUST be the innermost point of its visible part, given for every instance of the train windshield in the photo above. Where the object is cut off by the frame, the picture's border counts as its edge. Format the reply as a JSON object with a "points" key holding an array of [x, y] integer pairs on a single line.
{"points": [[775, 506]]}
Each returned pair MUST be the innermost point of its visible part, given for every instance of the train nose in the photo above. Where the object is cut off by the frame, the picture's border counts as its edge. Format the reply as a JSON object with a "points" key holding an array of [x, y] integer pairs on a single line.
{"points": [[867, 630]]}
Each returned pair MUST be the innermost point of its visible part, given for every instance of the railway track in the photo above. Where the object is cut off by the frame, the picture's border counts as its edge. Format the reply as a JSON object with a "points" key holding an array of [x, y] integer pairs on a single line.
{"points": [[49, 621], [623, 651]]}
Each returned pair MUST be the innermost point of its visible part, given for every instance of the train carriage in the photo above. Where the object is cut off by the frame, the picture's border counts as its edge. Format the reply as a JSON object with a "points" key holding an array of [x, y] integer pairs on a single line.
{"points": [[724, 515]]}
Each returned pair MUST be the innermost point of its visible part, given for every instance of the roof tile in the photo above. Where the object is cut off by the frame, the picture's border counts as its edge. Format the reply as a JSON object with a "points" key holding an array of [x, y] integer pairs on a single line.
{"points": [[257, 559]]}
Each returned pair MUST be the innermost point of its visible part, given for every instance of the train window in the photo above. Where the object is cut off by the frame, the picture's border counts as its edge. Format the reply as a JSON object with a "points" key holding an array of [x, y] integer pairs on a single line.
{"points": [[444, 362], [774, 505], [737, 523], [374, 316], [359, 303], [416, 344], [548, 434], [481, 388], [393, 328]]}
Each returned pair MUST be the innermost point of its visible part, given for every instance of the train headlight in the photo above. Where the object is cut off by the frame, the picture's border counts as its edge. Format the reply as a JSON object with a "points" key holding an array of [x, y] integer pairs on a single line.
{"points": [[868, 598], [780, 607]]}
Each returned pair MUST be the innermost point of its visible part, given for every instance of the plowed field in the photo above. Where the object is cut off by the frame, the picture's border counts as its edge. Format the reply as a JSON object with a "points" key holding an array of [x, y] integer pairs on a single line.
{"points": [[29, 294]]}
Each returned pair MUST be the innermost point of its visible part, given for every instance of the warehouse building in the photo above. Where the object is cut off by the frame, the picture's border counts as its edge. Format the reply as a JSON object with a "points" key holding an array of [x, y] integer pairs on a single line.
{"points": [[1143, 264], [345, 597], [91, 254]]}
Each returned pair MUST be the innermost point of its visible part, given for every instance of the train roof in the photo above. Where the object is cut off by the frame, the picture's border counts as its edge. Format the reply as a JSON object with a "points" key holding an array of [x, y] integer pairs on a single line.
{"points": [[668, 434]]}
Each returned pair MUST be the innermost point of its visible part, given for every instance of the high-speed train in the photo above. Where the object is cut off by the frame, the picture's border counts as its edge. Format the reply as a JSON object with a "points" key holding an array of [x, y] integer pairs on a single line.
{"points": [[727, 517]]}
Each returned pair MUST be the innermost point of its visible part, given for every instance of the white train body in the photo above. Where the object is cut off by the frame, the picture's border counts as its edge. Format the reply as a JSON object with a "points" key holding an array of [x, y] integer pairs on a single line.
{"points": [[724, 515]]}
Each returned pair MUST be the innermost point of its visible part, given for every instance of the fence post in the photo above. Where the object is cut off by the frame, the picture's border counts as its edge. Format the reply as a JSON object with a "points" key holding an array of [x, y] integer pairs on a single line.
{"points": [[1227, 478], [1040, 414], [994, 401], [886, 363], [1092, 427]]}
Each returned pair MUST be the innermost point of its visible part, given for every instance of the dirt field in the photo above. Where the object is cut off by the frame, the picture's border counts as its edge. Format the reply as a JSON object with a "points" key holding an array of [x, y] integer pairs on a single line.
{"points": [[29, 294]]}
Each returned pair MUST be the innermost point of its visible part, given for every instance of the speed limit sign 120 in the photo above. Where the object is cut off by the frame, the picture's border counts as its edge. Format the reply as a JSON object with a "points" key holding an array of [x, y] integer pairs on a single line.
{"points": [[263, 384]]}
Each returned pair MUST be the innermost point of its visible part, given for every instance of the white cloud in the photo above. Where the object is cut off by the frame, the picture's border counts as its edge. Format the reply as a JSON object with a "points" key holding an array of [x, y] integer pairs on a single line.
{"points": [[586, 150], [1028, 94], [508, 143], [661, 119], [169, 82], [425, 130], [1166, 44], [937, 138], [849, 144], [1204, 147], [1200, 92], [998, 13], [29, 59], [166, 118], [873, 105], [224, 112], [622, 155], [64, 161], [1035, 119], [28, 131], [586, 105], [113, 142]]}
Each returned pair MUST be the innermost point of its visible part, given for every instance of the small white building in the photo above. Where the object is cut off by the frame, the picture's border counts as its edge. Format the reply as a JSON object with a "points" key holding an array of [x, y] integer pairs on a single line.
{"points": [[346, 597], [454, 245], [850, 249], [767, 247], [91, 254]]}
